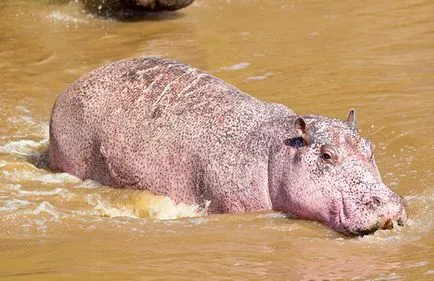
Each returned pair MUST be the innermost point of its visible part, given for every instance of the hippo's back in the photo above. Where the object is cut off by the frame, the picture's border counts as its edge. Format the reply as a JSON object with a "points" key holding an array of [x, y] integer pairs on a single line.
{"points": [[124, 119], [154, 89]]}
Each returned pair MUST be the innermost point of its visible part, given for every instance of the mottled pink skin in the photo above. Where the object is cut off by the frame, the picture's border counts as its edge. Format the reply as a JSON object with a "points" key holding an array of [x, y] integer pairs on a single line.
{"points": [[345, 192], [166, 127]]}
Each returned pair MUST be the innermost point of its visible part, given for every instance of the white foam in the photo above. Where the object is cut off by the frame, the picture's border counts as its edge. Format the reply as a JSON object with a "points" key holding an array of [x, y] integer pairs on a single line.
{"points": [[28, 147], [260, 77], [14, 187], [45, 207], [167, 209], [273, 215], [3, 163], [383, 236], [27, 124], [24, 147], [59, 16], [22, 108], [22, 119], [104, 208], [57, 191], [417, 264], [89, 184], [12, 205], [24, 175], [57, 178], [199, 220], [235, 67], [147, 206], [36, 150]]}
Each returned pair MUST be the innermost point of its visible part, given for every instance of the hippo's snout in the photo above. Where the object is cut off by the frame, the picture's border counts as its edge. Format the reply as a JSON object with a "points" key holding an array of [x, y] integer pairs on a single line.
{"points": [[381, 211], [402, 219], [399, 220], [396, 215]]}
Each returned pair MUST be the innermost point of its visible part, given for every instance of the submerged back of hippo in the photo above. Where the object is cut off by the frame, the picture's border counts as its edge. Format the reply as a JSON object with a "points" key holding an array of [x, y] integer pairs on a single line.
{"points": [[166, 127]]}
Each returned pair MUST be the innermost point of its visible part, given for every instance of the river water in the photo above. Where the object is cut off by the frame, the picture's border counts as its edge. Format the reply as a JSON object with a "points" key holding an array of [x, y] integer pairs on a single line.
{"points": [[320, 57]]}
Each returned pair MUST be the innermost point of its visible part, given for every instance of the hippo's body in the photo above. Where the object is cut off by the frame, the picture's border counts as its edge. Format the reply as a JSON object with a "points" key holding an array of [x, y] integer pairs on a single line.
{"points": [[166, 127], [125, 8]]}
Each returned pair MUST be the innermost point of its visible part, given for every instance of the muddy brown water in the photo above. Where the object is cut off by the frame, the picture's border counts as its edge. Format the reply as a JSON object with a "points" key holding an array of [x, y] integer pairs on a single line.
{"points": [[320, 57]]}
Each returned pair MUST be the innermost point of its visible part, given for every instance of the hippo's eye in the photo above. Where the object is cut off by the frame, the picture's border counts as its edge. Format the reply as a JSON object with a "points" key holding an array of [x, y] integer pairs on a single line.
{"points": [[328, 153], [326, 156]]}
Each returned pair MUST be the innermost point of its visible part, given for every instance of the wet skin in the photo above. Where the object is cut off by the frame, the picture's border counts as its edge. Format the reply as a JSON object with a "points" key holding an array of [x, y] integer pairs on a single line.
{"points": [[159, 125]]}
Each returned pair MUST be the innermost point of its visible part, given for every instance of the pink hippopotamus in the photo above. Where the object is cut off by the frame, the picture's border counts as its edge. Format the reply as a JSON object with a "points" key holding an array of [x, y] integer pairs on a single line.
{"points": [[159, 125]]}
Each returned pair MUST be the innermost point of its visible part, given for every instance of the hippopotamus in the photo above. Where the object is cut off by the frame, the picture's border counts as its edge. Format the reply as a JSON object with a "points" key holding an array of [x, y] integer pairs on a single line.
{"points": [[159, 125], [123, 8]]}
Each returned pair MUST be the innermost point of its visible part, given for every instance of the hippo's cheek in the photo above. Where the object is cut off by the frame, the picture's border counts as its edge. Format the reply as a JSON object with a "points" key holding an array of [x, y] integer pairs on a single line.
{"points": [[354, 220], [354, 226], [335, 215]]}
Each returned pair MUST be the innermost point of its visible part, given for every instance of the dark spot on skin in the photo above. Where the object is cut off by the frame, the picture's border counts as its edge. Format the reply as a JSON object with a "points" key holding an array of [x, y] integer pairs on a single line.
{"points": [[156, 113], [131, 75], [136, 75]]}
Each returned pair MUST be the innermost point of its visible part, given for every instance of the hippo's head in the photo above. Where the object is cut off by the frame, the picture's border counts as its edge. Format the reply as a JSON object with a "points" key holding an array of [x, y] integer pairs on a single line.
{"points": [[333, 178]]}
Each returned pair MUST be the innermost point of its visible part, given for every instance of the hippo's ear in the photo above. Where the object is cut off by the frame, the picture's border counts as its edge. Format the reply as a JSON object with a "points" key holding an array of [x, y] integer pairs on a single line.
{"points": [[301, 129], [351, 119]]}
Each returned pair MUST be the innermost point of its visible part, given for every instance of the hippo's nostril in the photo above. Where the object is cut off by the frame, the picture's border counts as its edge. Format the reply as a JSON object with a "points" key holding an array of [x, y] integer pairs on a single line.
{"points": [[374, 202], [400, 222]]}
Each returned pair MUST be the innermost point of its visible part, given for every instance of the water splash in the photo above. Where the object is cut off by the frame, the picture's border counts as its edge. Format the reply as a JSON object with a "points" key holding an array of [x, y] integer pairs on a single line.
{"points": [[13, 205], [164, 208], [24, 147], [42, 176], [57, 16], [140, 204]]}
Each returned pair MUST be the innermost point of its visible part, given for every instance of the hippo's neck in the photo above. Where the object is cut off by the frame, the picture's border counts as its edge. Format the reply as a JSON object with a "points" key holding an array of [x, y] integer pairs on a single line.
{"points": [[283, 143]]}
